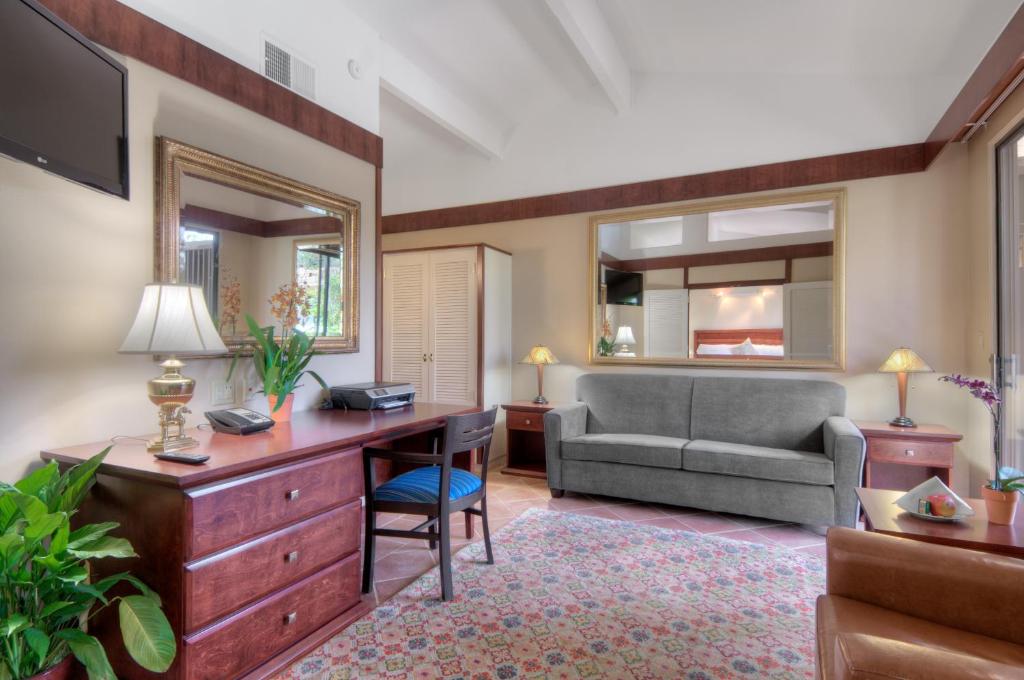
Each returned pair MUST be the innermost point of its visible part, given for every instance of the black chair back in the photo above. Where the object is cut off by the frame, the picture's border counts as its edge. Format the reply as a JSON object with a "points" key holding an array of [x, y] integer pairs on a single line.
{"points": [[467, 433]]}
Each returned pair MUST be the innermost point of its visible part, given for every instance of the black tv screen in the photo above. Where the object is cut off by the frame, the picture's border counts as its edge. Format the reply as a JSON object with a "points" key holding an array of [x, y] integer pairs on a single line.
{"points": [[62, 99], [624, 288]]}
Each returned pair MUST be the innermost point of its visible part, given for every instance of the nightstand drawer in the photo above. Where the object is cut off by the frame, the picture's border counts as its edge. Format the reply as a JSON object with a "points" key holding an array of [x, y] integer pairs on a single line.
{"points": [[938, 454], [524, 420]]}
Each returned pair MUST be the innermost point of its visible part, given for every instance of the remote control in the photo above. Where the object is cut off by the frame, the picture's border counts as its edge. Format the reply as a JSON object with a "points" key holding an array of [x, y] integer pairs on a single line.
{"points": [[190, 458]]}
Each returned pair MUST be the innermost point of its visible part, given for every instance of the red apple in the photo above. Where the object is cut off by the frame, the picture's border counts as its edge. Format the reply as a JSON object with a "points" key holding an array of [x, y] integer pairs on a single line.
{"points": [[943, 505]]}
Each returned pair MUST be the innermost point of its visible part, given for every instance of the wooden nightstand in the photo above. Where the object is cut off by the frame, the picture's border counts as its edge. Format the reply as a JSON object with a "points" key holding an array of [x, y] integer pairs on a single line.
{"points": [[524, 421], [900, 458]]}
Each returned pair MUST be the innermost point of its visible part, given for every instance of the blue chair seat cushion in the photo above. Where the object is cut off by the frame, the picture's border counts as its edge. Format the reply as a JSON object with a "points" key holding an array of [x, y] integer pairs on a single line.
{"points": [[422, 485]]}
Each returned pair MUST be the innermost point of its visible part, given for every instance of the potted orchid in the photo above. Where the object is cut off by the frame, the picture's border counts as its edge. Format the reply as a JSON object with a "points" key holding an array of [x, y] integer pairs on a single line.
{"points": [[1001, 493], [280, 361]]}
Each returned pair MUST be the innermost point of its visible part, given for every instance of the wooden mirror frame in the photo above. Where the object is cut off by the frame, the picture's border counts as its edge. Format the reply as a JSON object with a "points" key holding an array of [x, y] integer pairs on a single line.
{"points": [[838, 361], [176, 159]]}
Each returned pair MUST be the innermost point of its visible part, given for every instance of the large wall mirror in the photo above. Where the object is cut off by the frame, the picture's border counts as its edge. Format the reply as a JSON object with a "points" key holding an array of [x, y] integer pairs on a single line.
{"points": [[753, 282], [252, 240]]}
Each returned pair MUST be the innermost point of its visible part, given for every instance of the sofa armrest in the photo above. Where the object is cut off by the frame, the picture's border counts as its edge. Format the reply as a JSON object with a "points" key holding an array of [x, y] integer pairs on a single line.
{"points": [[865, 657], [561, 423], [845, 445], [963, 589]]}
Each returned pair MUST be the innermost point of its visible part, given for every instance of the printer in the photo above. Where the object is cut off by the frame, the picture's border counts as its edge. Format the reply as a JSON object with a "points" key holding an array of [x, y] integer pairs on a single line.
{"points": [[373, 395]]}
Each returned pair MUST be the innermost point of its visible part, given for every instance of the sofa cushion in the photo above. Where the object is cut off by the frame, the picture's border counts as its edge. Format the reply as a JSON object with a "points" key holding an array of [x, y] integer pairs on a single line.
{"points": [[772, 412], [840, 616], [636, 403], [758, 462], [630, 449]]}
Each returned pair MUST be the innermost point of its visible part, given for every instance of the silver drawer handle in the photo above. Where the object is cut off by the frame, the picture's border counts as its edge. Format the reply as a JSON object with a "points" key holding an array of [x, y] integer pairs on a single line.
{"points": [[527, 421], [292, 556], [909, 452], [290, 618], [292, 495]]}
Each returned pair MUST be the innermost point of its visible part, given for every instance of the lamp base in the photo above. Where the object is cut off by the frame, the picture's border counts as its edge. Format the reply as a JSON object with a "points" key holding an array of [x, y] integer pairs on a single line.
{"points": [[902, 421], [171, 391], [540, 399]]}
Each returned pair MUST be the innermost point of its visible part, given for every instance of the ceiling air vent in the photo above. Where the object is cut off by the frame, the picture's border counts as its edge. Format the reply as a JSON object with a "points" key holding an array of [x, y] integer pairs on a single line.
{"points": [[283, 67]]}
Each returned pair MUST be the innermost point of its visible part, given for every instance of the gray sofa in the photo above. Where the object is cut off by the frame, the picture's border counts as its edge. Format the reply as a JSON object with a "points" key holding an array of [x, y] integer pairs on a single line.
{"points": [[773, 448]]}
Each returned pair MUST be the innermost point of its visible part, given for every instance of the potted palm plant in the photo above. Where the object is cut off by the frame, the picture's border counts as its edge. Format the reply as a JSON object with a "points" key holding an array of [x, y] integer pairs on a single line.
{"points": [[1002, 493], [46, 595]]}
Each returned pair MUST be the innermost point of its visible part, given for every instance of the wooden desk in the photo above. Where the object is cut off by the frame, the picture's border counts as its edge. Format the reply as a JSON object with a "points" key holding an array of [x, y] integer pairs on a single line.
{"points": [[256, 553], [974, 533], [903, 457]]}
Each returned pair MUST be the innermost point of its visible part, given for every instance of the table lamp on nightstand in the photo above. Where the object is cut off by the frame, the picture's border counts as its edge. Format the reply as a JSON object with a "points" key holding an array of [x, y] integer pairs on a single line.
{"points": [[172, 319], [540, 356], [902, 361]]}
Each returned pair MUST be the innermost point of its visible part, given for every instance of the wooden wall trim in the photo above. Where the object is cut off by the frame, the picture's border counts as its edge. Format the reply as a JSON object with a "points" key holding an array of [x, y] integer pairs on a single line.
{"points": [[133, 34], [769, 254], [822, 170], [1000, 66], [378, 296], [198, 216]]}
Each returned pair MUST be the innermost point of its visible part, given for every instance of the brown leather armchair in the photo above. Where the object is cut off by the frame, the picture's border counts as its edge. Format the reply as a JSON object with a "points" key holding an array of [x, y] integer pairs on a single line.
{"points": [[899, 608]]}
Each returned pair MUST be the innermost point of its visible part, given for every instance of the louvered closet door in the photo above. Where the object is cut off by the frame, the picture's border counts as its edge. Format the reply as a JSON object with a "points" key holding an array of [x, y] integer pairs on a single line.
{"points": [[665, 317], [406, 320], [453, 326]]}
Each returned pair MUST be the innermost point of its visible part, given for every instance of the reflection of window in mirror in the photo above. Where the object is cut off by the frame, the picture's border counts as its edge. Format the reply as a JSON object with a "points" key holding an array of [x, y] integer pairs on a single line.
{"points": [[198, 258], [318, 269], [726, 284]]}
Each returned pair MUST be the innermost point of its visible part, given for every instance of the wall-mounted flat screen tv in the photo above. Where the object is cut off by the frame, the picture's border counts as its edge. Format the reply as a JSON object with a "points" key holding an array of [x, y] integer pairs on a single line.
{"points": [[624, 288], [62, 99]]}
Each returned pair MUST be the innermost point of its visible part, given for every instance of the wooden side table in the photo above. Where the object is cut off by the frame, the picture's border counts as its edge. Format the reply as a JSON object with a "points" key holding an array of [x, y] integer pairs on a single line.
{"points": [[524, 421], [900, 458]]}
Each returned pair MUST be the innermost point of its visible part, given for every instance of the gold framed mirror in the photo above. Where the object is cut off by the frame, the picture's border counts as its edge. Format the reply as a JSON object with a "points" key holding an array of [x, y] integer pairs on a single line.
{"points": [[250, 237], [744, 283]]}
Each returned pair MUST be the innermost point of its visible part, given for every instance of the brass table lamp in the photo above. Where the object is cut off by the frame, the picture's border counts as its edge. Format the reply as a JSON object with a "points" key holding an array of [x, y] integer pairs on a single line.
{"points": [[540, 356], [172, 319], [903, 361]]}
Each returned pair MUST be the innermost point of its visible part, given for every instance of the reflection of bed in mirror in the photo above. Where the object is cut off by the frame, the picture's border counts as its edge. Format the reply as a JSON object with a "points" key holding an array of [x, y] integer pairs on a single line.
{"points": [[742, 344]]}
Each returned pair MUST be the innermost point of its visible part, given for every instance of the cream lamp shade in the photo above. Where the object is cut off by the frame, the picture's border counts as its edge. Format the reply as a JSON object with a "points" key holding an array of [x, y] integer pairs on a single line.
{"points": [[539, 355], [173, 319], [624, 336], [904, 360]]}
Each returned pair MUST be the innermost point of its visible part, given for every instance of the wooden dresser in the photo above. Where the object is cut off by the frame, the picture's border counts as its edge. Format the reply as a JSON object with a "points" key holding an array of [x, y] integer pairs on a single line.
{"points": [[256, 553]]}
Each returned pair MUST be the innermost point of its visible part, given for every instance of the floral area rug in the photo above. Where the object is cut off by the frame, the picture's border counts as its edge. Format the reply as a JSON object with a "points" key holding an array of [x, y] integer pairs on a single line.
{"points": [[572, 596]]}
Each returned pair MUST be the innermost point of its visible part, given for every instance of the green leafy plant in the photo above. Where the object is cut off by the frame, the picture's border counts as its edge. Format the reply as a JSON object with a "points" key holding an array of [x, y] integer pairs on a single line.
{"points": [[46, 595], [280, 365]]}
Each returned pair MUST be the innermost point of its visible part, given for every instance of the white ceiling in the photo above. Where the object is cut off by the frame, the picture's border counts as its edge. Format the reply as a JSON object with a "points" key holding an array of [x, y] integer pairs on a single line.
{"points": [[715, 84]]}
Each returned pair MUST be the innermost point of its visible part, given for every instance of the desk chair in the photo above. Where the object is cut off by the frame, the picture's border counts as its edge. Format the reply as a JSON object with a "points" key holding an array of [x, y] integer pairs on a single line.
{"points": [[435, 490]]}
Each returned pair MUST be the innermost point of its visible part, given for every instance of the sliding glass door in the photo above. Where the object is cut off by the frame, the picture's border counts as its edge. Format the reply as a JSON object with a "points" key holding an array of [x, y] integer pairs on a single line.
{"points": [[1010, 294]]}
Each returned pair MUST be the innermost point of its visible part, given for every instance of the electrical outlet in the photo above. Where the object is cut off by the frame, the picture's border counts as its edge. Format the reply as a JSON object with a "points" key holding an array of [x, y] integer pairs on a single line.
{"points": [[222, 393]]}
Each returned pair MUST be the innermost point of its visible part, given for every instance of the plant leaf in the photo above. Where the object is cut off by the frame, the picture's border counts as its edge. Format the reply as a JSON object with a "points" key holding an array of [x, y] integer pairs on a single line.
{"points": [[80, 480], [89, 533], [45, 525], [54, 607], [106, 546], [38, 642], [12, 624], [147, 634], [89, 653], [38, 480]]}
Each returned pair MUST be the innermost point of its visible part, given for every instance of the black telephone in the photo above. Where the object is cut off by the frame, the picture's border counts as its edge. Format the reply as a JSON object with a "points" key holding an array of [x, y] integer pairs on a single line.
{"points": [[238, 421]]}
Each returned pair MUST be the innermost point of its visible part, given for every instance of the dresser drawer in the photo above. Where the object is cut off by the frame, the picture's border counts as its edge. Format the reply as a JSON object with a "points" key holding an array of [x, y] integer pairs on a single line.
{"points": [[226, 514], [218, 585], [939, 454], [524, 420], [241, 642]]}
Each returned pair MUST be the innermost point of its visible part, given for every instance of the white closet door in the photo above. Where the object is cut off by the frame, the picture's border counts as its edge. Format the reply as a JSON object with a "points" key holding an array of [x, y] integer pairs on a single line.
{"points": [[453, 326], [665, 317], [406, 343], [807, 320]]}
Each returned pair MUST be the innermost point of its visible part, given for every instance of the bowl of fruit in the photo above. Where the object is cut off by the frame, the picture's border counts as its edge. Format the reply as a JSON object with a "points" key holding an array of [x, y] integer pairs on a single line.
{"points": [[936, 502]]}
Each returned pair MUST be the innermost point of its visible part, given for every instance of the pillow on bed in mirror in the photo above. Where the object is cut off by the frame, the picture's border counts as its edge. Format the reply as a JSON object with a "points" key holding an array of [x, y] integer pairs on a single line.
{"points": [[745, 348]]}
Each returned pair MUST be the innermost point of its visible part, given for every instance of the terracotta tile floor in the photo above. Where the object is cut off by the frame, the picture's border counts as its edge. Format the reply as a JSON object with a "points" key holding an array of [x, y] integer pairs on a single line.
{"points": [[401, 561]]}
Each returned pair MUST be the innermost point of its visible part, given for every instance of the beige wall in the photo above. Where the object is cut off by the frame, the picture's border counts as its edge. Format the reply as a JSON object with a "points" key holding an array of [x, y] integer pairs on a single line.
{"points": [[74, 261], [906, 285]]}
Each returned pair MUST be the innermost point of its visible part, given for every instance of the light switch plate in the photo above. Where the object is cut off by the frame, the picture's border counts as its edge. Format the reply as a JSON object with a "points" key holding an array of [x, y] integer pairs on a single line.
{"points": [[222, 393]]}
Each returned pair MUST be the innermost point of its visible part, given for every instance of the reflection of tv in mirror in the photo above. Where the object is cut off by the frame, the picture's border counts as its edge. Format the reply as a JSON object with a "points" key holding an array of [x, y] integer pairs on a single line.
{"points": [[624, 288]]}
